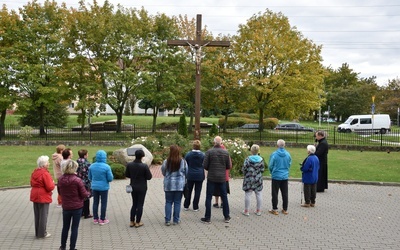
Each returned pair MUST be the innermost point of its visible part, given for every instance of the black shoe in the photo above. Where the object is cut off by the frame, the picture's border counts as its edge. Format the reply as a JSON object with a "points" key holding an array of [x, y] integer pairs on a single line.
{"points": [[216, 205], [222, 205], [205, 220], [227, 219]]}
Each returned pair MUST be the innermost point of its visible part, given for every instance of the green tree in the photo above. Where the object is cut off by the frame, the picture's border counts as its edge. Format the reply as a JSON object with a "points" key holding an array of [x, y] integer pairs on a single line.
{"points": [[282, 71], [85, 85], [113, 43], [159, 82], [388, 101], [343, 86], [145, 104], [55, 117], [41, 54], [221, 84], [9, 25], [182, 126]]}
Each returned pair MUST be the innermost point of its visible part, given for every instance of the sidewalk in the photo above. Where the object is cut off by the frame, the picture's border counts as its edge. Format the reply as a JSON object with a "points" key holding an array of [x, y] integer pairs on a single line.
{"points": [[347, 216]]}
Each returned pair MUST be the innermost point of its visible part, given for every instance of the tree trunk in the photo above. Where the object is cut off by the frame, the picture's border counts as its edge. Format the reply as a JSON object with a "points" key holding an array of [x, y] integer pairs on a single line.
{"points": [[260, 120], [2, 123], [155, 112]]}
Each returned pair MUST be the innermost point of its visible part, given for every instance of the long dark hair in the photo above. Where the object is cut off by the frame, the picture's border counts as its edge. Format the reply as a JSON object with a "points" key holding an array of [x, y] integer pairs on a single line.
{"points": [[174, 158]]}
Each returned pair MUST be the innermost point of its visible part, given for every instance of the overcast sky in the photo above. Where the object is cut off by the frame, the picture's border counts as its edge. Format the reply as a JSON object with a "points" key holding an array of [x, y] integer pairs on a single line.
{"points": [[363, 33]]}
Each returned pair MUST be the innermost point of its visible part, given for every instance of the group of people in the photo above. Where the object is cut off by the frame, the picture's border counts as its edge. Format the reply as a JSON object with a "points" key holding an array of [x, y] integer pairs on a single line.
{"points": [[314, 173], [77, 181], [188, 172]]}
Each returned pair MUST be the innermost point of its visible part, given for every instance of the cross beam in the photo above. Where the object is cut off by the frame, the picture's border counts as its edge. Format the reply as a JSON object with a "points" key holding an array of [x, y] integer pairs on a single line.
{"points": [[197, 45]]}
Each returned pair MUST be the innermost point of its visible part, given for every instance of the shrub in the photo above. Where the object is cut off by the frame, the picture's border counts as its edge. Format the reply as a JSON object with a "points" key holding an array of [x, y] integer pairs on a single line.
{"points": [[182, 126], [175, 138], [213, 130], [270, 123], [25, 133], [239, 151], [118, 170], [149, 142]]}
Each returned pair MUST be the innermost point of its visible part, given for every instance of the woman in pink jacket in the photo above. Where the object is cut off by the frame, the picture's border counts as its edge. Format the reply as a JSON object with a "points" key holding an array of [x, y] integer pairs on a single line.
{"points": [[42, 186]]}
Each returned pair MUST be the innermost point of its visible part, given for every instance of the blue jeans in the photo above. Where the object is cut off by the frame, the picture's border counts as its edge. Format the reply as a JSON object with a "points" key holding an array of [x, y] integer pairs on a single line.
{"points": [[173, 197], [224, 198], [75, 216], [197, 190], [103, 197]]}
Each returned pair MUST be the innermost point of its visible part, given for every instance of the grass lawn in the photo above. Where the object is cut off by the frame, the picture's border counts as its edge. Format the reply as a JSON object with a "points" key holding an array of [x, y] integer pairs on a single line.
{"points": [[18, 162]]}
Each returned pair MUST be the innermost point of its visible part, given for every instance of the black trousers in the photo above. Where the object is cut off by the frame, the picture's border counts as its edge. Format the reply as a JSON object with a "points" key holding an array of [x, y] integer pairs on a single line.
{"points": [[310, 193], [86, 207], [277, 185]]}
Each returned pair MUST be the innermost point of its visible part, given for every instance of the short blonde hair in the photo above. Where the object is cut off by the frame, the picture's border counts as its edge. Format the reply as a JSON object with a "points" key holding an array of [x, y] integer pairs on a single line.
{"points": [[196, 144], [42, 161], [70, 167], [254, 149]]}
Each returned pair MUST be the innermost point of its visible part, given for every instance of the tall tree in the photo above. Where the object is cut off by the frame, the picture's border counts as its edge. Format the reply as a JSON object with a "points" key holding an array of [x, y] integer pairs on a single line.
{"points": [[113, 42], [84, 83], [221, 81], [41, 54], [9, 25], [283, 71], [388, 98], [343, 86], [159, 86]]}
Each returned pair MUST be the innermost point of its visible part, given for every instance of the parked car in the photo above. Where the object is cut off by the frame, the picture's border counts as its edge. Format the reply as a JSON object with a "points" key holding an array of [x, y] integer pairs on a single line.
{"points": [[205, 125], [293, 126], [250, 126]]}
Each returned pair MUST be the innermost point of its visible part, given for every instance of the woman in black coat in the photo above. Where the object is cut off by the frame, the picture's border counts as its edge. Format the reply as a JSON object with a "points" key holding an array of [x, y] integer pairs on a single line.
{"points": [[139, 173], [322, 154]]}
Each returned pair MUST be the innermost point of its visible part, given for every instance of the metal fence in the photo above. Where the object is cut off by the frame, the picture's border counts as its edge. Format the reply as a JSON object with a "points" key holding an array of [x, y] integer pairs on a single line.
{"points": [[364, 138]]}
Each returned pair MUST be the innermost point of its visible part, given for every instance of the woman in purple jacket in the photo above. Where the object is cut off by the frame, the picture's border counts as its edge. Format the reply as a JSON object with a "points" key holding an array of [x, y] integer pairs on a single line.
{"points": [[73, 193]]}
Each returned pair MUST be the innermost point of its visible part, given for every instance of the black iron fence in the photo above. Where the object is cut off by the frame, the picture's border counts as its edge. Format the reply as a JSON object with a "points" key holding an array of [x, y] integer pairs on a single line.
{"points": [[363, 138]]}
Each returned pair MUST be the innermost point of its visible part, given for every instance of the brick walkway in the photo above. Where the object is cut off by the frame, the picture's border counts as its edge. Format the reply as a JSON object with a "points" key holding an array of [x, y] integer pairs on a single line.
{"points": [[347, 216]]}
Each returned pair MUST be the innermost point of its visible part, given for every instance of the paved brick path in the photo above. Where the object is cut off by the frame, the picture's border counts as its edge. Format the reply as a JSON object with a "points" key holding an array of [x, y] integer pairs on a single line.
{"points": [[347, 216]]}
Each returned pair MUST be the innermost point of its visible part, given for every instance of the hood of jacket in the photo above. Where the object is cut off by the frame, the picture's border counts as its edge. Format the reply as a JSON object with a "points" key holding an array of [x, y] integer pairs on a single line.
{"points": [[56, 156], [281, 152], [37, 176], [255, 158], [101, 156]]}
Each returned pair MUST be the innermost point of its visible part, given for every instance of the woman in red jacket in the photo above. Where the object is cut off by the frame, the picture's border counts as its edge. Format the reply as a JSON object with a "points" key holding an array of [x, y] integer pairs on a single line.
{"points": [[42, 186], [73, 193]]}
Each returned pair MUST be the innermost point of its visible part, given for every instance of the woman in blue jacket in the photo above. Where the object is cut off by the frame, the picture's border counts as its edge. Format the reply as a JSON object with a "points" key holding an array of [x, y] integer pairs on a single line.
{"points": [[100, 176], [309, 169]]}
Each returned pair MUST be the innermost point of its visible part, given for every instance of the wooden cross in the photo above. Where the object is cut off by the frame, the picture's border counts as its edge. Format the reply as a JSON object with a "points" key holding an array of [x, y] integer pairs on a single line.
{"points": [[197, 45]]}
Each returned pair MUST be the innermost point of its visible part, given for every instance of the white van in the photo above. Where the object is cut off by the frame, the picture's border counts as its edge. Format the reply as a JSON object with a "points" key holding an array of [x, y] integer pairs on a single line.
{"points": [[365, 123]]}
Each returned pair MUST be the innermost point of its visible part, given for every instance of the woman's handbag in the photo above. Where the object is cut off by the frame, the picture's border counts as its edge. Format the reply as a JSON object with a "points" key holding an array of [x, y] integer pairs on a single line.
{"points": [[128, 189]]}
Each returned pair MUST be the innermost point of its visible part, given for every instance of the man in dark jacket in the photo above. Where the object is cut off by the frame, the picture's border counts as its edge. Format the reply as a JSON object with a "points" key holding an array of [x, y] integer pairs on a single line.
{"points": [[322, 154], [216, 162]]}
